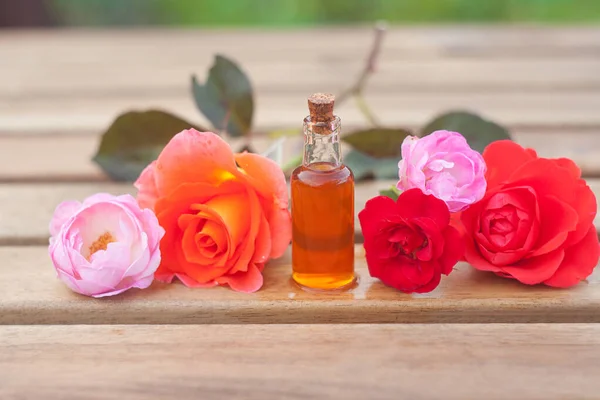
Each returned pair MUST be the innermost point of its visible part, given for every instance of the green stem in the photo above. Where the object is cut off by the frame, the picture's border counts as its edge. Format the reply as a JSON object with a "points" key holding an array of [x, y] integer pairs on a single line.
{"points": [[362, 105]]}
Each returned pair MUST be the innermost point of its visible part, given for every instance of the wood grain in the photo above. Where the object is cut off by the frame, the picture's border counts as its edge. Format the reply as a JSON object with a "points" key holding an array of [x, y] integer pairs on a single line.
{"points": [[301, 362], [28, 207], [31, 294], [170, 76]]}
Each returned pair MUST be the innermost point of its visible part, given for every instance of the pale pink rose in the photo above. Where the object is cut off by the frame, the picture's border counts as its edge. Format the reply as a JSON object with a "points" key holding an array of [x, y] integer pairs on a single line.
{"points": [[105, 245], [442, 164]]}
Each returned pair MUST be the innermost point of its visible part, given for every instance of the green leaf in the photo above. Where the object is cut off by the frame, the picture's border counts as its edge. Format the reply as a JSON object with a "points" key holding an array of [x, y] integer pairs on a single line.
{"points": [[226, 97], [479, 132], [377, 142], [364, 166], [392, 192], [134, 140]]}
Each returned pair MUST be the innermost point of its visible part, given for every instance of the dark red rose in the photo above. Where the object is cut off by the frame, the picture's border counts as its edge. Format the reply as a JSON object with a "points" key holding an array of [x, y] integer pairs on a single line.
{"points": [[409, 243], [535, 222]]}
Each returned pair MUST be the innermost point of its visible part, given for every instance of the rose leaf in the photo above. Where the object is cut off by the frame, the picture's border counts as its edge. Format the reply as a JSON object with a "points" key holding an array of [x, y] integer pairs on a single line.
{"points": [[478, 131], [377, 142], [134, 140], [226, 97], [364, 166]]}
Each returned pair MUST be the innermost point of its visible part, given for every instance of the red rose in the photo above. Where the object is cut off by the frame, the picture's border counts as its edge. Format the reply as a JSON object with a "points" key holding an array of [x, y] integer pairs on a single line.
{"points": [[409, 242], [535, 222]]}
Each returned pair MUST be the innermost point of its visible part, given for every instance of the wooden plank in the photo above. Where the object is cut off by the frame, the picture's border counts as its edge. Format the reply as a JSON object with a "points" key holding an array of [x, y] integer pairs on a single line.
{"points": [[282, 110], [301, 362], [31, 294], [76, 79], [35, 204], [33, 158], [459, 58]]}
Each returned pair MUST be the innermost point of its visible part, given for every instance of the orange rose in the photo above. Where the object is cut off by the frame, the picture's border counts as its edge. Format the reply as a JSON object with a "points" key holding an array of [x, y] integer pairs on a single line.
{"points": [[223, 221]]}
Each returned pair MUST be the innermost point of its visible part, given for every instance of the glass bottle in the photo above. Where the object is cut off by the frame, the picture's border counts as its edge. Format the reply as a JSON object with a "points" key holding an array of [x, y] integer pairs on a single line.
{"points": [[322, 204]]}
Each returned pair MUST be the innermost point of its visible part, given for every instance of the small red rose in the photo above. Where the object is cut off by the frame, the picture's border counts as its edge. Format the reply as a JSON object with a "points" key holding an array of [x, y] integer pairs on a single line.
{"points": [[535, 223], [409, 243]]}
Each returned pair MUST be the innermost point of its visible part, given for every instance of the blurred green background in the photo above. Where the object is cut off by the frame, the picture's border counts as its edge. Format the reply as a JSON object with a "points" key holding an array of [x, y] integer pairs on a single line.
{"points": [[282, 13]]}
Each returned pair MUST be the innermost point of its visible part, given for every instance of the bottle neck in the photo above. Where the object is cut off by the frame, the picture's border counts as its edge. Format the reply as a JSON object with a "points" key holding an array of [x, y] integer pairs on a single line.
{"points": [[322, 143]]}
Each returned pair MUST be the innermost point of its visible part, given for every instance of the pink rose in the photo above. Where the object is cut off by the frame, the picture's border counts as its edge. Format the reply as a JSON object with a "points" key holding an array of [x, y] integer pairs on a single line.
{"points": [[442, 164], [105, 245]]}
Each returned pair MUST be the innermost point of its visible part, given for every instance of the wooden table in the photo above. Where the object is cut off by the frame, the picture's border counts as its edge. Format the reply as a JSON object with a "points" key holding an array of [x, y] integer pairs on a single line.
{"points": [[475, 336]]}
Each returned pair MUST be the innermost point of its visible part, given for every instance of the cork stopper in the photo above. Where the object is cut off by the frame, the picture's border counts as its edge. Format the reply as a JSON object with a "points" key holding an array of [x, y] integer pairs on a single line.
{"points": [[320, 106]]}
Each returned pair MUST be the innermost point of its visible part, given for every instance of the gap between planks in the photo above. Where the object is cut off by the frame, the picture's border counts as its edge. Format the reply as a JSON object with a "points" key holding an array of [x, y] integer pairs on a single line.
{"points": [[419, 362], [465, 296]]}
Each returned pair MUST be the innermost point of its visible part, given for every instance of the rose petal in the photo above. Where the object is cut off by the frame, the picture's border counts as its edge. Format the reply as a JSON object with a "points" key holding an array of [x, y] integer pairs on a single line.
{"points": [[535, 270], [521, 201], [191, 283], [170, 209], [579, 262], [164, 276], [415, 204], [586, 208], [546, 178], [280, 227], [433, 283], [193, 157], [146, 186], [392, 273], [473, 256], [420, 274], [503, 158], [201, 273], [569, 165], [268, 179], [63, 212], [262, 246], [140, 266], [108, 266], [94, 289], [246, 282], [435, 240], [232, 208], [500, 258], [189, 246], [247, 247], [142, 283], [454, 248], [266, 176], [557, 219], [376, 210], [469, 219]]}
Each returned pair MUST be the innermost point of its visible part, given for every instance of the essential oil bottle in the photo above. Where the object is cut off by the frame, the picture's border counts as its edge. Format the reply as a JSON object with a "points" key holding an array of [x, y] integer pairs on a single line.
{"points": [[322, 204]]}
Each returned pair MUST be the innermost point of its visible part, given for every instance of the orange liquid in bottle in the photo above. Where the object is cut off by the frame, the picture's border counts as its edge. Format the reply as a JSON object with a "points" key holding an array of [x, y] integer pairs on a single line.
{"points": [[323, 226]]}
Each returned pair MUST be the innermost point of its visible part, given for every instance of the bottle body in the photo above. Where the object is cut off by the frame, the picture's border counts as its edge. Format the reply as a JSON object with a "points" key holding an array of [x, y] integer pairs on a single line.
{"points": [[322, 195]]}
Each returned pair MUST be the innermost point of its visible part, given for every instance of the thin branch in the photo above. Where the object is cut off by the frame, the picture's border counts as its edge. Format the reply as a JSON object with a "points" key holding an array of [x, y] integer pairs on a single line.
{"points": [[370, 67]]}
